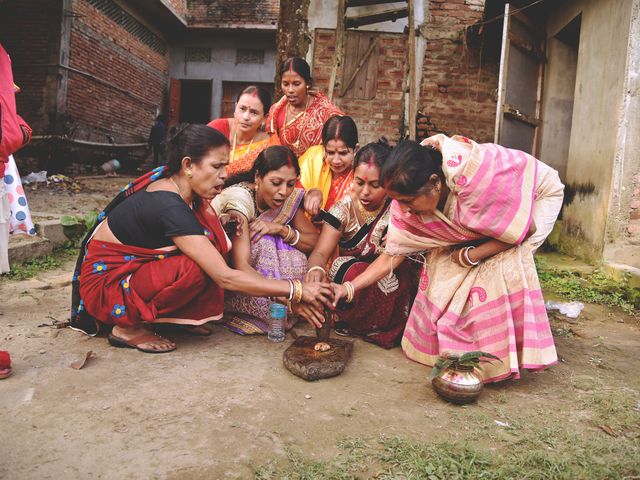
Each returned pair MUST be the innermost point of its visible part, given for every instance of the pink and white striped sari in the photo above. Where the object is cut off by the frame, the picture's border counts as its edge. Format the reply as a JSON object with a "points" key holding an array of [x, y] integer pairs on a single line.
{"points": [[497, 306]]}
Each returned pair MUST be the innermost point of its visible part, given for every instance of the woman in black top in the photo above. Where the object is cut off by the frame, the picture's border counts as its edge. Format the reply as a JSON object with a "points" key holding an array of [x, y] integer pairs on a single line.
{"points": [[158, 254]]}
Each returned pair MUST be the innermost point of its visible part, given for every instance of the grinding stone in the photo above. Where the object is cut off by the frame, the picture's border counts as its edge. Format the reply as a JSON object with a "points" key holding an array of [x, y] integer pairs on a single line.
{"points": [[303, 361]]}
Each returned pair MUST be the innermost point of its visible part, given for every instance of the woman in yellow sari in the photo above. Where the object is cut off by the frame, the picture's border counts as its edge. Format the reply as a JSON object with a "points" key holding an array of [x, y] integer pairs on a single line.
{"points": [[326, 171], [245, 130]]}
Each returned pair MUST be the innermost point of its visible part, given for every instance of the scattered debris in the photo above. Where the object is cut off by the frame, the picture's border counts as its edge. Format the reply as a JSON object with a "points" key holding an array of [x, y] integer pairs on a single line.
{"points": [[503, 424], [608, 430], [78, 364], [568, 309]]}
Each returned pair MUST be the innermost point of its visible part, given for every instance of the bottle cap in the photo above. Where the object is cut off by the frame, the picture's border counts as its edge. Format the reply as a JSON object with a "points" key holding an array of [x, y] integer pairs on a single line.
{"points": [[278, 310]]}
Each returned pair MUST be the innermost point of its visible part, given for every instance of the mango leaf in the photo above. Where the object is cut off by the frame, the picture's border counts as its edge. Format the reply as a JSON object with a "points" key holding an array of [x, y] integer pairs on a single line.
{"points": [[477, 357], [90, 219], [69, 220]]}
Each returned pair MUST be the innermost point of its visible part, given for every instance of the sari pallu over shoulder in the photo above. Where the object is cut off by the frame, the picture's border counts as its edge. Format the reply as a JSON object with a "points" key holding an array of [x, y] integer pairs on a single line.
{"points": [[270, 256], [304, 130], [496, 306], [116, 263]]}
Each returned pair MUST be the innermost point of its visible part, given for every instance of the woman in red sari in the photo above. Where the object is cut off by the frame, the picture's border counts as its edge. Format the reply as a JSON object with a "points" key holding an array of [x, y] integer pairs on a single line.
{"points": [[477, 213], [245, 129], [357, 225], [297, 118], [158, 254]]}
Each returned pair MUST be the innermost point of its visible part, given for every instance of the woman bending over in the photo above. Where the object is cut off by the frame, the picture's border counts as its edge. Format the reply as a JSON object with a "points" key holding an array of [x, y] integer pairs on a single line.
{"points": [[478, 212]]}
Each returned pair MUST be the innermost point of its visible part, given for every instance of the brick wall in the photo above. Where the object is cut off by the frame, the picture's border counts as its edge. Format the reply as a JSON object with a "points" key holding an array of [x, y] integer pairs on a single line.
{"points": [[458, 88], [178, 6], [381, 116], [226, 13], [29, 32], [117, 80]]}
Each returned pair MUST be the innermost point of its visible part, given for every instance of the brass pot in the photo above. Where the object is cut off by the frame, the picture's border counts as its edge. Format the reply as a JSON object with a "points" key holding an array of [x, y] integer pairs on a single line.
{"points": [[459, 385]]}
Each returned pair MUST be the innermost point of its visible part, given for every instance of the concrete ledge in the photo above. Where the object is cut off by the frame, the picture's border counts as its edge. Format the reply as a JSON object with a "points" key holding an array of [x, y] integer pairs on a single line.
{"points": [[52, 230], [23, 248], [619, 271]]}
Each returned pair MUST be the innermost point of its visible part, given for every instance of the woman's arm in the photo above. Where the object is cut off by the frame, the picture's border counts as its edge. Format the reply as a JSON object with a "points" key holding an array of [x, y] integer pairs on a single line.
{"points": [[329, 238], [308, 233], [241, 248], [380, 267], [485, 250], [201, 251]]}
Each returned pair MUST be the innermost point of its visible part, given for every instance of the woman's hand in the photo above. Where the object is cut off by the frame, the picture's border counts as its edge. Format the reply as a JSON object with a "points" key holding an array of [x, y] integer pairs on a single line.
{"points": [[339, 292], [315, 275], [318, 294], [312, 315], [457, 256], [232, 217], [259, 228], [312, 201]]}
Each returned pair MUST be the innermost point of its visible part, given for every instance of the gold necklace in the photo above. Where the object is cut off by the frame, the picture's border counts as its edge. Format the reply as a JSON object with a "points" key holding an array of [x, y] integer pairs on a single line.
{"points": [[367, 216], [177, 186], [296, 144], [233, 147]]}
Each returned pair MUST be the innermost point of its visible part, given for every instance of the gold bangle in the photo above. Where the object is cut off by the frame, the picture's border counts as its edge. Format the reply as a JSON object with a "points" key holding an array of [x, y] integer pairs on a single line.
{"points": [[317, 267], [298, 291], [351, 291], [289, 234], [297, 234]]}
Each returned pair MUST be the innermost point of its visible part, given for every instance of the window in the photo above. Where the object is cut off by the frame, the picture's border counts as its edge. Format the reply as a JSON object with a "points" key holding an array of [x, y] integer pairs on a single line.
{"points": [[249, 55], [197, 54]]}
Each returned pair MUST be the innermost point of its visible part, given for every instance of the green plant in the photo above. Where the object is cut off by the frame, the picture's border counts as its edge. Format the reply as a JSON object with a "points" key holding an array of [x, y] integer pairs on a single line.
{"points": [[76, 226], [466, 360]]}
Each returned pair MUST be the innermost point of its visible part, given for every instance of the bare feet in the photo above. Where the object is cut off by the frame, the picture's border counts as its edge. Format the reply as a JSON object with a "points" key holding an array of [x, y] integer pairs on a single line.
{"points": [[141, 338]]}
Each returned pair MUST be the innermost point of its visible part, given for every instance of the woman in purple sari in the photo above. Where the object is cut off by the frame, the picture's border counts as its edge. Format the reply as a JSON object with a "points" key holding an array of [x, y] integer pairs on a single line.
{"points": [[275, 235]]}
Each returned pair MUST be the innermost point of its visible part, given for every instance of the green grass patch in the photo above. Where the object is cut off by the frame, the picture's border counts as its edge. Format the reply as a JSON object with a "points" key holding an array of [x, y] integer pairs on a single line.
{"points": [[30, 268], [529, 451], [596, 287]]}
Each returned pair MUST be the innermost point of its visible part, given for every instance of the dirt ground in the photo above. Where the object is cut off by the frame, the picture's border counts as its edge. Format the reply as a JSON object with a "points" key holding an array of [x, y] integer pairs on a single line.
{"points": [[223, 406]]}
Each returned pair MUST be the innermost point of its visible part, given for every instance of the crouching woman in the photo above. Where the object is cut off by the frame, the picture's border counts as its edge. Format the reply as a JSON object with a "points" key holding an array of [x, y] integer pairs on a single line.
{"points": [[158, 254]]}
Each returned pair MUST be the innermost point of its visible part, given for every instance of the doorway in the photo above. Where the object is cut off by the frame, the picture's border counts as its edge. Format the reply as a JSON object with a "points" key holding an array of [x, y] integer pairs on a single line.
{"points": [[195, 101], [560, 85]]}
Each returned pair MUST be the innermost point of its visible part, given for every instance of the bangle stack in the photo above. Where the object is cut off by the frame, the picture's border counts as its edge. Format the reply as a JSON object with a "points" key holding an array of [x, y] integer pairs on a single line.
{"points": [[297, 291], [292, 237], [351, 291]]}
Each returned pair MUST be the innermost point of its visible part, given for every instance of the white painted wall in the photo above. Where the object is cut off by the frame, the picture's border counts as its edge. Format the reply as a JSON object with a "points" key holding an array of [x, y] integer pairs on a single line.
{"points": [[223, 60]]}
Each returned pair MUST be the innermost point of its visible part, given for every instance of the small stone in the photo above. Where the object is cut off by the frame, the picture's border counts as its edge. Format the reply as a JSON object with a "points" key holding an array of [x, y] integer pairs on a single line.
{"points": [[42, 351], [307, 397]]}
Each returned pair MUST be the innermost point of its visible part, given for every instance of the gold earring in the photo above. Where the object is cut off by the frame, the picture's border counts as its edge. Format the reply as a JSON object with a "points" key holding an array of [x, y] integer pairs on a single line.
{"points": [[189, 173]]}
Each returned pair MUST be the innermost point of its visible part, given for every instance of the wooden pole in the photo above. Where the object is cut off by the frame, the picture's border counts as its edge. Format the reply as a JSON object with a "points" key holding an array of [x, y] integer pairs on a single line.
{"points": [[292, 38], [413, 102], [338, 55]]}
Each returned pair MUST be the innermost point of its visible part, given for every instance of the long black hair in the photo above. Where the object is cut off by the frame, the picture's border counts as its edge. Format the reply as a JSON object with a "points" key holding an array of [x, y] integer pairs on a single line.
{"points": [[340, 127], [270, 159], [261, 93], [409, 168], [374, 152], [297, 65], [195, 141]]}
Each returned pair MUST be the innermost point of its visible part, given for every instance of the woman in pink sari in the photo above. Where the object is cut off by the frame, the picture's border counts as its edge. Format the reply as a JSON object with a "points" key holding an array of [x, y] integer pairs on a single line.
{"points": [[478, 212]]}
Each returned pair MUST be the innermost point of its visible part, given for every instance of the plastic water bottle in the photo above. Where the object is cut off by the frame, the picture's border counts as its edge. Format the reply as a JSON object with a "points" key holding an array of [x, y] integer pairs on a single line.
{"points": [[276, 322]]}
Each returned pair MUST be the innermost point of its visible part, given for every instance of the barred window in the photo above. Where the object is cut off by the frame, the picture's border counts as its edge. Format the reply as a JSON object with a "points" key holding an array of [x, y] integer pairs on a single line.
{"points": [[197, 54], [249, 55]]}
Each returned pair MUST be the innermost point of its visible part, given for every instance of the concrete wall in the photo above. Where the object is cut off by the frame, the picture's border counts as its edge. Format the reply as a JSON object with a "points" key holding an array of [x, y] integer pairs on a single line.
{"points": [[223, 60], [623, 226], [596, 116], [557, 104]]}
